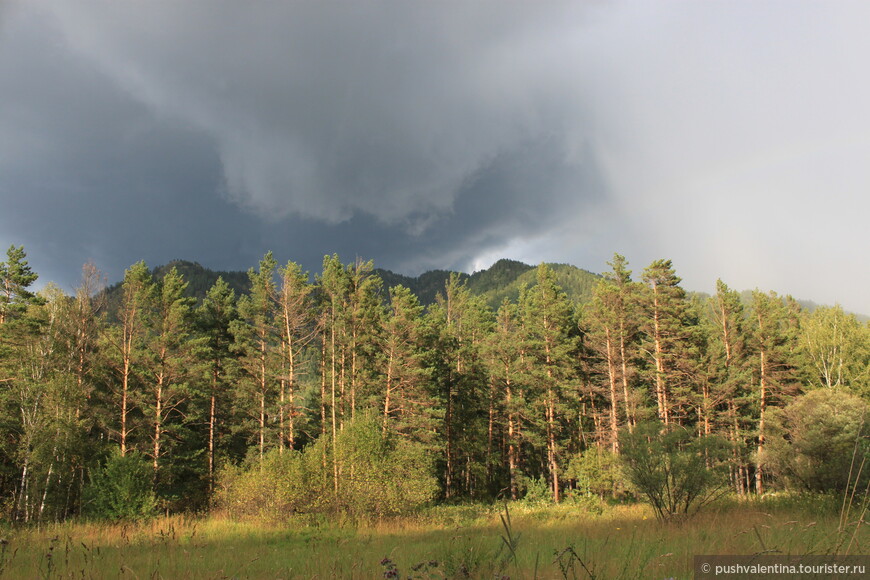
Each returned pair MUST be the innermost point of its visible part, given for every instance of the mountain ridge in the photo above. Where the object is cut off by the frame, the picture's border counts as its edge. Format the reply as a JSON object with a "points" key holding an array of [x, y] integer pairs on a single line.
{"points": [[503, 279]]}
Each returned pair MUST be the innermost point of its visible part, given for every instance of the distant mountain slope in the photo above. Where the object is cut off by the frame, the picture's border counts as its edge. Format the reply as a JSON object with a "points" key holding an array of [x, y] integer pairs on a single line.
{"points": [[501, 280], [505, 278], [426, 286], [199, 279]]}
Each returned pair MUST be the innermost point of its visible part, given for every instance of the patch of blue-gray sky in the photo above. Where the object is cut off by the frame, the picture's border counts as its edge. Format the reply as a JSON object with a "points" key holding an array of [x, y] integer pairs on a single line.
{"points": [[730, 137]]}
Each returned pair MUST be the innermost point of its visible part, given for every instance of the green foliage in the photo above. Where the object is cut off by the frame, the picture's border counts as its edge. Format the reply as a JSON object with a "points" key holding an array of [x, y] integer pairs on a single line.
{"points": [[121, 489], [506, 278], [372, 406], [199, 278], [596, 471], [818, 442], [537, 491], [377, 476], [836, 349], [16, 277], [674, 470], [273, 489]]}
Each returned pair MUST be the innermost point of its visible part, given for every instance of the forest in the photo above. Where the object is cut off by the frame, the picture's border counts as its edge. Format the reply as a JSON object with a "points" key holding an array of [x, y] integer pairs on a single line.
{"points": [[286, 393]]}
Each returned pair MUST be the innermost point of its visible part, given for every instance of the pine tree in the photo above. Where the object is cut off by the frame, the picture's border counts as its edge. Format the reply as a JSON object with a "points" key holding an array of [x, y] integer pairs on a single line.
{"points": [[612, 318], [504, 354], [363, 327], [16, 328], [773, 340], [296, 329], [169, 358], [333, 286], [124, 344], [548, 320], [667, 326], [215, 317], [16, 277], [625, 312], [728, 387], [255, 339], [406, 403], [461, 323]]}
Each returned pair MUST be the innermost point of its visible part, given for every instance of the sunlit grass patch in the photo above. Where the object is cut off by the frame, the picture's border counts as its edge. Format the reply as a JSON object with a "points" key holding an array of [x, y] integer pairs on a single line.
{"points": [[468, 541]]}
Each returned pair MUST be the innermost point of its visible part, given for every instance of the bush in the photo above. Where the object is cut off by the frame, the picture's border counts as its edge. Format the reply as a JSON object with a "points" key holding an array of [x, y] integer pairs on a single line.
{"points": [[537, 491], [121, 490], [378, 476], [381, 475], [813, 440], [596, 471], [674, 470], [278, 487]]}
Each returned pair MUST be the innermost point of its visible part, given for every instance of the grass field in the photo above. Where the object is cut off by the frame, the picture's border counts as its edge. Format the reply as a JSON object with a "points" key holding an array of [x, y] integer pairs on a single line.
{"points": [[566, 541]]}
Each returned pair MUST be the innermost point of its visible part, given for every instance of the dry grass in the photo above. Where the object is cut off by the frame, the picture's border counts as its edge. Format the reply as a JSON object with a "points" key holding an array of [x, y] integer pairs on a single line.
{"points": [[444, 542]]}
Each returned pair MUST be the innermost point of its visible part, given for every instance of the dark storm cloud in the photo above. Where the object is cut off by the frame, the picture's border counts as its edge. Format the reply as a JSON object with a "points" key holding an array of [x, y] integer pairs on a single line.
{"points": [[326, 110], [411, 132], [731, 137]]}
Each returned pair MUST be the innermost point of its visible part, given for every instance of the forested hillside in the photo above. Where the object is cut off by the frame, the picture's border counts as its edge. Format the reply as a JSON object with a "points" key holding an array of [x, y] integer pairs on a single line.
{"points": [[199, 280], [502, 280], [286, 392]]}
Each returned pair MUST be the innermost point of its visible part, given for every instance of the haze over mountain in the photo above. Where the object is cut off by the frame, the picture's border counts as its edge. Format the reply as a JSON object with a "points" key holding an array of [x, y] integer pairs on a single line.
{"points": [[730, 137]]}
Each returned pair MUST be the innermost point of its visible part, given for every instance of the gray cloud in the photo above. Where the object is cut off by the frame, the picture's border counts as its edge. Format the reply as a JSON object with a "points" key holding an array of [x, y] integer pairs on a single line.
{"points": [[730, 137], [325, 110]]}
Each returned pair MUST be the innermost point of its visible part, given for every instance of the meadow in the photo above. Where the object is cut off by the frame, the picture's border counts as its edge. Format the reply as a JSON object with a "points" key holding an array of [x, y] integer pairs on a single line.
{"points": [[463, 541]]}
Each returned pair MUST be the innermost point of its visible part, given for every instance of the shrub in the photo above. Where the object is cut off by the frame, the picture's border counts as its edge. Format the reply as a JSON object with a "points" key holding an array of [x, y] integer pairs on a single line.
{"points": [[537, 491], [280, 486], [121, 489], [378, 475], [596, 471], [674, 470], [813, 440]]}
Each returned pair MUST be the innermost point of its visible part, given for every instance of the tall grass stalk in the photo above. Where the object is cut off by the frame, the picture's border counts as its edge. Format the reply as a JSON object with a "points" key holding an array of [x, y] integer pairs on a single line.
{"points": [[849, 498]]}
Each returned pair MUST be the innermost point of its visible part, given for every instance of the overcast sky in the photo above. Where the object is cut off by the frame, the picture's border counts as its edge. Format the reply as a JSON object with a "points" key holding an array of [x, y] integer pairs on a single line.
{"points": [[730, 137]]}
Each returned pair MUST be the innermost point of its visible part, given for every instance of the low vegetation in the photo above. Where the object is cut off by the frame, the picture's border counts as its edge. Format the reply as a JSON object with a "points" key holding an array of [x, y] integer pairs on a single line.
{"points": [[471, 541]]}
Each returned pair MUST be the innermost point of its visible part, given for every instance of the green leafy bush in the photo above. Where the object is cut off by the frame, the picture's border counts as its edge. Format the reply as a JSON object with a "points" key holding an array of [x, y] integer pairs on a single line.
{"points": [[381, 475], [281, 485], [377, 475], [537, 491], [596, 471], [676, 471], [121, 489], [813, 441]]}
